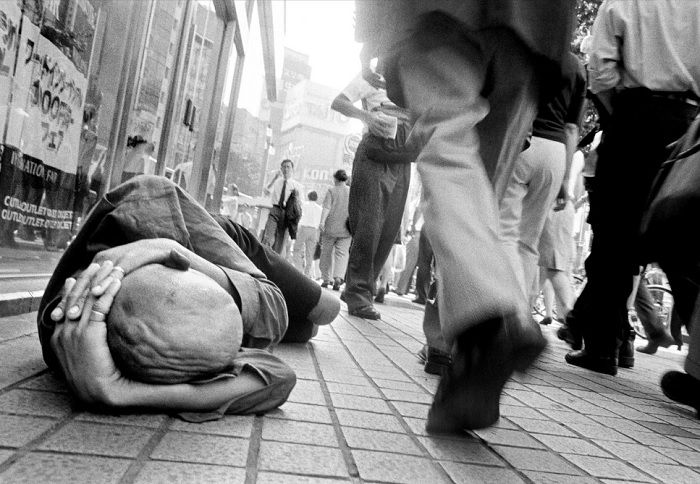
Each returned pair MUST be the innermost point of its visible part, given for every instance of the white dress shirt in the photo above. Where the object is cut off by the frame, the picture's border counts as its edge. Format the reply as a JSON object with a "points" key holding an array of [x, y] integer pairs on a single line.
{"points": [[276, 190], [642, 43], [310, 214]]}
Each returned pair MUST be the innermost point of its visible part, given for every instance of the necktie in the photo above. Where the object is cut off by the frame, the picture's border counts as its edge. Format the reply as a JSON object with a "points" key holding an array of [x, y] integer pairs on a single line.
{"points": [[282, 194]]}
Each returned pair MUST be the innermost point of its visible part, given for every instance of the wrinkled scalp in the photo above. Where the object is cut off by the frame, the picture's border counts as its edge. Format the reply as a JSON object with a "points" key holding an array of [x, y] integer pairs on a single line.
{"points": [[171, 326]]}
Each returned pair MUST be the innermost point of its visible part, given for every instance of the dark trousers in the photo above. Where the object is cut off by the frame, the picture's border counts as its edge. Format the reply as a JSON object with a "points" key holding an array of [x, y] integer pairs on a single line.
{"points": [[683, 272], [425, 260], [634, 146], [377, 198], [300, 293], [275, 231]]}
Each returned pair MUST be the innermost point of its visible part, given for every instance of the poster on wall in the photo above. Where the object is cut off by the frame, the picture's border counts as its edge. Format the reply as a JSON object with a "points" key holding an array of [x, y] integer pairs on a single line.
{"points": [[10, 15], [41, 146]]}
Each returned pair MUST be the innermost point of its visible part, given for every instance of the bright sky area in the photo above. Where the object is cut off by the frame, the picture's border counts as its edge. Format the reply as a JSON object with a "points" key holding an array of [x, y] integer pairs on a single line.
{"points": [[324, 30]]}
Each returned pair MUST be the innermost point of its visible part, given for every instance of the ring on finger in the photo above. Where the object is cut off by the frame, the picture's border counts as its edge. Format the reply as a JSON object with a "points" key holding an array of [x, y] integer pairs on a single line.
{"points": [[97, 316], [119, 269]]}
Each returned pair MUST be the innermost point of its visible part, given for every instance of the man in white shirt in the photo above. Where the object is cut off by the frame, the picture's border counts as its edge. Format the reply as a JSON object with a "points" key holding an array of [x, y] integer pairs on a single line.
{"points": [[307, 235], [279, 189], [645, 71], [378, 191]]}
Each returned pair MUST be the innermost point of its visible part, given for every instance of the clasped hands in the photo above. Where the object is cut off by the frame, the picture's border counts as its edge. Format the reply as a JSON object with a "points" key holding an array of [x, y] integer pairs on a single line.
{"points": [[79, 339]]}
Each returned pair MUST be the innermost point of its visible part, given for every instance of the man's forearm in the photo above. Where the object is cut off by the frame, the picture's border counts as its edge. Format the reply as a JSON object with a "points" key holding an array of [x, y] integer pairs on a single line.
{"points": [[570, 142], [324, 216], [345, 107], [182, 397], [268, 188]]}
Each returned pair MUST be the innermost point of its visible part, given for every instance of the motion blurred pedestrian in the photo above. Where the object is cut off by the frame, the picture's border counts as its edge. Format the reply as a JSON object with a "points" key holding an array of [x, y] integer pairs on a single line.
{"points": [[470, 72]]}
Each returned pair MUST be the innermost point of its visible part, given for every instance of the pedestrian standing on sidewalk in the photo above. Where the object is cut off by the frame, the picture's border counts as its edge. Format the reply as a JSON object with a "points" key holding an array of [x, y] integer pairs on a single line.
{"points": [[307, 234], [381, 173], [279, 190], [335, 236]]}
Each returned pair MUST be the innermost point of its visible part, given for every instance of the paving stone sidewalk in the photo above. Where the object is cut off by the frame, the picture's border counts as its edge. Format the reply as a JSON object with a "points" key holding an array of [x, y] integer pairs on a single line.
{"points": [[357, 414]]}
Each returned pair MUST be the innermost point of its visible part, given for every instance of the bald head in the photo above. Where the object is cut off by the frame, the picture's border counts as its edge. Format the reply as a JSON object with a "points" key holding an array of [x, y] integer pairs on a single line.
{"points": [[171, 326]]}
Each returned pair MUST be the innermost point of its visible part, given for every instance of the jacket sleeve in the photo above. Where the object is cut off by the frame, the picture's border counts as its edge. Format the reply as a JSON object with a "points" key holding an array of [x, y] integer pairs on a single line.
{"points": [[279, 381], [263, 309]]}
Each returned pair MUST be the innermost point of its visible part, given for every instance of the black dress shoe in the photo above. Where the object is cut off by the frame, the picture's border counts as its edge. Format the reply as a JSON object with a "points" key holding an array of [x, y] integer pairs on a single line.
{"points": [[546, 321], [437, 362], [379, 298], [366, 312], [419, 300], [600, 364], [337, 282], [325, 284], [570, 336], [682, 388], [486, 355]]}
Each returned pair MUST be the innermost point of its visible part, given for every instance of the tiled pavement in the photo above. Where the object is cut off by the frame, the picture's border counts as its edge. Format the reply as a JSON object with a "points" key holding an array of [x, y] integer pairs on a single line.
{"points": [[357, 414]]}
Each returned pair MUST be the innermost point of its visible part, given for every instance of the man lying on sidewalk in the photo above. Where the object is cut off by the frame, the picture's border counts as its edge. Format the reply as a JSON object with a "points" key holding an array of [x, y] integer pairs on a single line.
{"points": [[169, 324]]}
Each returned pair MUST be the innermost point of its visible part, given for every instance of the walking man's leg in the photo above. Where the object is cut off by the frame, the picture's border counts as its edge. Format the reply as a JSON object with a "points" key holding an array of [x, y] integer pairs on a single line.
{"points": [[483, 311], [425, 262]]}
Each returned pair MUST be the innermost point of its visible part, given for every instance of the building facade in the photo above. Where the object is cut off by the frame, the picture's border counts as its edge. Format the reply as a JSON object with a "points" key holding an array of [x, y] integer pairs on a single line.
{"points": [[80, 78], [314, 136]]}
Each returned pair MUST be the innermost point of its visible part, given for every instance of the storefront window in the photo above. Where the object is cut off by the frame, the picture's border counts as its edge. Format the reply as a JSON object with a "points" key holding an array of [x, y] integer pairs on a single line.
{"points": [[45, 53], [84, 83], [205, 36]]}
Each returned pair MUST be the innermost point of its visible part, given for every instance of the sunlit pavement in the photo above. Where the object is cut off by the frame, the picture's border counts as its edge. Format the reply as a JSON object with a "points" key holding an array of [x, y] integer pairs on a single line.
{"points": [[357, 414]]}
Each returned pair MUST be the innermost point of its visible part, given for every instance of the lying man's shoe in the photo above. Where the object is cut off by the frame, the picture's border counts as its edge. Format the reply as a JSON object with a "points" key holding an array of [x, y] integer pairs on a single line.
{"points": [[366, 312], [570, 336], [486, 355], [682, 388], [600, 364], [437, 361]]}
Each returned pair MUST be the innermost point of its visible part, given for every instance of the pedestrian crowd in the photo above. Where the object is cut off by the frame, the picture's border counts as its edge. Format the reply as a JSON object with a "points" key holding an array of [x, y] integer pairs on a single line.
{"points": [[464, 188]]}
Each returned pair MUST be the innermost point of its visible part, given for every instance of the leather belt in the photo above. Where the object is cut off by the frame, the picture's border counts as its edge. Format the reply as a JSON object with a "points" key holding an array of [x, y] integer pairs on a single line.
{"points": [[686, 97], [682, 97]]}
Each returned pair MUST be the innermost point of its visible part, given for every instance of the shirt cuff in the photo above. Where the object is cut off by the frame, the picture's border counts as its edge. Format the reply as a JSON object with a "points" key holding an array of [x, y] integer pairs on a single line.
{"points": [[603, 80]]}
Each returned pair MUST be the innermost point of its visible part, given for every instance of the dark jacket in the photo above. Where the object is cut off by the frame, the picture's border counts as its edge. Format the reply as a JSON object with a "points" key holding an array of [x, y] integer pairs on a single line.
{"points": [[292, 213]]}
